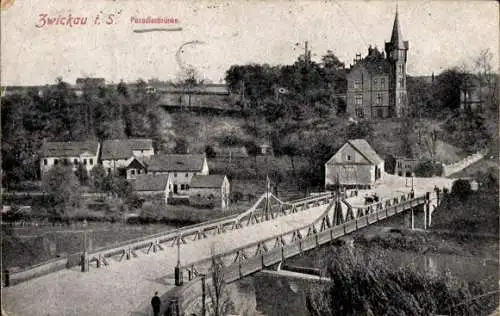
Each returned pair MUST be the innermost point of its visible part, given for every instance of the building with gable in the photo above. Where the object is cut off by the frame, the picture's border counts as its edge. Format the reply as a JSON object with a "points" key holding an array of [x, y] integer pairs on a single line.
{"points": [[354, 165], [156, 187], [71, 154], [210, 190], [117, 153], [376, 84], [183, 168]]}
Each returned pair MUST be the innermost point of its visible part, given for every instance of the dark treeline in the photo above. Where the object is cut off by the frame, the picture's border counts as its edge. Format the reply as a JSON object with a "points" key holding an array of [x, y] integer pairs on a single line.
{"points": [[58, 114]]}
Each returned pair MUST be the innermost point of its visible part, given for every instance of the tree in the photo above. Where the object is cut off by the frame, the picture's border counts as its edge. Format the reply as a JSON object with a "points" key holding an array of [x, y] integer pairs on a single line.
{"points": [[484, 69], [62, 186], [82, 174], [120, 187], [217, 292], [210, 152], [181, 146], [330, 61], [362, 284], [427, 135], [122, 89], [461, 188], [448, 85], [99, 179], [359, 130], [420, 97]]}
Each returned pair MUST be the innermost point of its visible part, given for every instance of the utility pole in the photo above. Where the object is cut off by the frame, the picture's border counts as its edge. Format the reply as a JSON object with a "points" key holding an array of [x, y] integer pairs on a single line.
{"points": [[306, 55]]}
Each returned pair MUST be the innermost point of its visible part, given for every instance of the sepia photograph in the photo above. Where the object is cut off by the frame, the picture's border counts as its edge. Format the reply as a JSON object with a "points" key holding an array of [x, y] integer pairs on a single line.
{"points": [[250, 157]]}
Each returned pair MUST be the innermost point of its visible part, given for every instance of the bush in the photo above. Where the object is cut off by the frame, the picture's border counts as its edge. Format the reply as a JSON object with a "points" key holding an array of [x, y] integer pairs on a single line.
{"points": [[362, 284], [210, 152], [461, 188], [428, 169], [252, 148], [390, 164], [236, 196]]}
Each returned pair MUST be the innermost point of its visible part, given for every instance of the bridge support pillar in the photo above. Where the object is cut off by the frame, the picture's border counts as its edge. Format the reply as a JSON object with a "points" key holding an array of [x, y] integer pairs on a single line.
{"points": [[84, 262], [178, 276]]}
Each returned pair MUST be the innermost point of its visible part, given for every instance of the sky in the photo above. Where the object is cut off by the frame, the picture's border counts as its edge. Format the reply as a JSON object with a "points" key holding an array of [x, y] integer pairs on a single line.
{"points": [[441, 34]]}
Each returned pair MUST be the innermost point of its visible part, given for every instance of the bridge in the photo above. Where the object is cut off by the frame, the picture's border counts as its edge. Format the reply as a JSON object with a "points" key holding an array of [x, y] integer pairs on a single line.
{"points": [[121, 279]]}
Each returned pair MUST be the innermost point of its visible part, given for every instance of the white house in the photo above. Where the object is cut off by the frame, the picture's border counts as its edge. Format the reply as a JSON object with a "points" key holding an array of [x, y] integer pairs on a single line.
{"points": [[116, 153], [85, 153], [355, 164], [182, 168]]}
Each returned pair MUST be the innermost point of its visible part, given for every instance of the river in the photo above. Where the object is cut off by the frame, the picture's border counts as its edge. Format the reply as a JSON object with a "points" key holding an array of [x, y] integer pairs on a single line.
{"points": [[25, 246], [276, 295]]}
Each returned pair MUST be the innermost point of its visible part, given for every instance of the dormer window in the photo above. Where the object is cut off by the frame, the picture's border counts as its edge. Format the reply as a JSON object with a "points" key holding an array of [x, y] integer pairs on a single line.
{"points": [[348, 157]]}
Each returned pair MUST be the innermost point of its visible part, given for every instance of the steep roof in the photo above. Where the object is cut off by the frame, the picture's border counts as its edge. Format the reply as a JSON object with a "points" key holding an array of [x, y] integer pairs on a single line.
{"points": [[69, 149], [366, 150], [177, 162], [210, 181], [148, 182], [374, 64], [122, 148], [396, 36]]}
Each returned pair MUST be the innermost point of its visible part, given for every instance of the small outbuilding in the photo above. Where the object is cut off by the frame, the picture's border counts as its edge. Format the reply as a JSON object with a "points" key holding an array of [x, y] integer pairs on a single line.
{"points": [[153, 187], [354, 165], [210, 191]]}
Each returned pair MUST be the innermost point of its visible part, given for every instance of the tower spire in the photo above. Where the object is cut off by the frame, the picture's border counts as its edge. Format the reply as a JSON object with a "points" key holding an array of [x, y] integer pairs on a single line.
{"points": [[396, 36]]}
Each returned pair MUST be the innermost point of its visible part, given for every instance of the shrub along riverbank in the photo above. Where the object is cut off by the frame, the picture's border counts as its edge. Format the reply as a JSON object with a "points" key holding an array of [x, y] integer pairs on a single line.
{"points": [[362, 284]]}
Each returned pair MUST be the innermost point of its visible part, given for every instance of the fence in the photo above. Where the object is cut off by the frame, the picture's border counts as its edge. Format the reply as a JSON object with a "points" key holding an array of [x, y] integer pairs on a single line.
{"points": [[452, 168]]}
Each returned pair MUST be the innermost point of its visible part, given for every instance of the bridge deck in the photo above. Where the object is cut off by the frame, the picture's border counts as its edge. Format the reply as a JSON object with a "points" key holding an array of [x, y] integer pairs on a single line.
{"points": [[123, 287], [127, 286]]}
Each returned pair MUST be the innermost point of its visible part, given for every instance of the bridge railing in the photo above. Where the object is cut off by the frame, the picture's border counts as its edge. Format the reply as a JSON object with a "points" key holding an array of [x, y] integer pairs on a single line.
{"points": [[256, 262], [199, 231]]}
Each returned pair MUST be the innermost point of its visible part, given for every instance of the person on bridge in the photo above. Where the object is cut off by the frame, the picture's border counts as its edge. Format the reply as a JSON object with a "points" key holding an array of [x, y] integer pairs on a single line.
{"points": [[156, 303]]}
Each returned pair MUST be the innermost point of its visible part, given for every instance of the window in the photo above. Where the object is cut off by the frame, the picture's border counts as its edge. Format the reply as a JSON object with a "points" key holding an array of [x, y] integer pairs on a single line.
{"points": [[182, 186], [75, 161], [360, 113], [358, 100], [375, 83], [401, 83], [175, 174], [91, 161], [378, 98], [56, 161], [132, 171], [187, 175], [348, 157], [382, 83], [357, 84], [45, 162], [187, 186], [401, 68]]}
